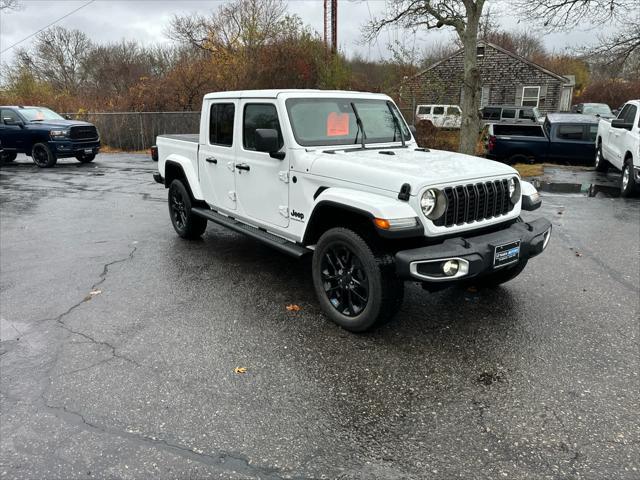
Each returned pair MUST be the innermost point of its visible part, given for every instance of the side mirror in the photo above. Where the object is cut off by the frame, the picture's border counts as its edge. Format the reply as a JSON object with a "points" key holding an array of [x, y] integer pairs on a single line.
{"points": [[267, 141], [67, 117], [12, 121], [620, 123]]}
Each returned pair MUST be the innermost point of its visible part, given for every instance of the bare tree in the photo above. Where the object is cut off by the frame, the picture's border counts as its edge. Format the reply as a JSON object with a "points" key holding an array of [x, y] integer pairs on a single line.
{"points": [[58, 56], [618, 49], [464, 17]]}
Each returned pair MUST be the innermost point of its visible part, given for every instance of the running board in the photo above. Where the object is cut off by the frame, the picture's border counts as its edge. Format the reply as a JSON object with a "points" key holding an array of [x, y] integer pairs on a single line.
{"points": [[279, 243]]}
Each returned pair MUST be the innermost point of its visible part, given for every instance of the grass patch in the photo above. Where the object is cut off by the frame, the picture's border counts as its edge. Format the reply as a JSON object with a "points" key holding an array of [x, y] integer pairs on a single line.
{"points": [[108, 149], [529, 170]]}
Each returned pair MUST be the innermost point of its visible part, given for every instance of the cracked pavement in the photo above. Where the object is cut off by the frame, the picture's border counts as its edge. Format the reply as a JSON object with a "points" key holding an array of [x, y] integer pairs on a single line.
{"points": [[118, 344]]}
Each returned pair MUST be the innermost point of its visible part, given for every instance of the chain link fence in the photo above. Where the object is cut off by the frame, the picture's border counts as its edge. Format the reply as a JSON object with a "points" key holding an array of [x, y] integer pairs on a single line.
{"points": [[138, 130]]}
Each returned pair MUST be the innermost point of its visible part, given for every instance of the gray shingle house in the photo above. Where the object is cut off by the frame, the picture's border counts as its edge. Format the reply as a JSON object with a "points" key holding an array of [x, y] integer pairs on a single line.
{"points": [[507, 79]]}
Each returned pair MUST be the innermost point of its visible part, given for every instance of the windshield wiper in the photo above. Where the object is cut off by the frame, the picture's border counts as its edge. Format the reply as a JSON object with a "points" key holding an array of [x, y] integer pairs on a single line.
{"points": [[360, 126], [396, 124]]}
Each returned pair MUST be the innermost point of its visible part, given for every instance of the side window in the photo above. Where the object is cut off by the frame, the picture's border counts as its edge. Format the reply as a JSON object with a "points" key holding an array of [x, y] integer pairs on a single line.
{"points": [[570, 132], [9, 115], [630, 115], [221, 124], [438, 110], [489, 113], [526, 115], [508, 113], [592, 132], [623, 112], [453, 111], [259, 115], [424, 110]]}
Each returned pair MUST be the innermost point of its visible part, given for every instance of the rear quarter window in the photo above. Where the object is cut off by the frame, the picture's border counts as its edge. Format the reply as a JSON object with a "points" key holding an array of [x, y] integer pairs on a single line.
{"points": [[570, 132]]}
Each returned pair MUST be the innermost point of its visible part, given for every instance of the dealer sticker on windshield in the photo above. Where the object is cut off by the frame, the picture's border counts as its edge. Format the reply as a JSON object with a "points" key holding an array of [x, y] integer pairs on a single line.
{"points": [[506, 254]]}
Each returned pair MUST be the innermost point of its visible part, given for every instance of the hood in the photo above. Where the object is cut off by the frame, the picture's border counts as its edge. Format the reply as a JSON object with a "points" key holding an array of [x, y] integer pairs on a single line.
{"points": [[60, 123], [418, 168]]}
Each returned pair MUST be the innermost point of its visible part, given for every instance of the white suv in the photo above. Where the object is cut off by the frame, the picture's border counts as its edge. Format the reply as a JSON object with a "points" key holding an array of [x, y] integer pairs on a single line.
{"points": [[338, 175], [442, 116]]}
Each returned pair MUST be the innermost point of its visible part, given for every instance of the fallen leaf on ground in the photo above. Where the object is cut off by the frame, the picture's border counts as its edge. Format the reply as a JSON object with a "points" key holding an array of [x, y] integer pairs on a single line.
{"points": [[293, 308], [240, 370], [578, 254], [95, 292], [472, 289]]}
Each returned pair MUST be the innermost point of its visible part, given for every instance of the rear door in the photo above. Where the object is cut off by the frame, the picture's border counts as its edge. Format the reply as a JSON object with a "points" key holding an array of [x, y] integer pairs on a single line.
{"points": [[11, 136], [261, 180], [216, 155], [568, 143]]}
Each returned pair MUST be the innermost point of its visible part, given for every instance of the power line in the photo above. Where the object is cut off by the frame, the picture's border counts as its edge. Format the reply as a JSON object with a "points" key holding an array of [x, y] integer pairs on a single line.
{"points": [[44, 28]]}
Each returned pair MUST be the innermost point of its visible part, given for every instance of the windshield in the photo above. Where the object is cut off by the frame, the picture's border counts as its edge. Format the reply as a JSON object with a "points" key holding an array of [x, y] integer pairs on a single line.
{"points": [[38, 114], [597, 109], [332, 121]]}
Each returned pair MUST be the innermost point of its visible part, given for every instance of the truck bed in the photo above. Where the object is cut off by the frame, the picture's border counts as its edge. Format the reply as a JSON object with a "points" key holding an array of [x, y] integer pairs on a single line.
{"points": [[184, 137]]}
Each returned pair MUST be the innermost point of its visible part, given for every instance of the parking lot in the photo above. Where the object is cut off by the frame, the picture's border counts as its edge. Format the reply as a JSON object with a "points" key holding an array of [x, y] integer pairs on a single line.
{"points": [[120, 344]]}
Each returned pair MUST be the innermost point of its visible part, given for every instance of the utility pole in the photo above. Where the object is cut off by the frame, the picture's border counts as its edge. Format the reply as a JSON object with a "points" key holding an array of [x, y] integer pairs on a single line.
{"points": [[331, 25]]}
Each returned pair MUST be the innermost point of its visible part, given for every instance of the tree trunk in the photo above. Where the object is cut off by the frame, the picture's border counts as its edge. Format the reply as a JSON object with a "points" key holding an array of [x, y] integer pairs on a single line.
{"points": [[470, 125]]}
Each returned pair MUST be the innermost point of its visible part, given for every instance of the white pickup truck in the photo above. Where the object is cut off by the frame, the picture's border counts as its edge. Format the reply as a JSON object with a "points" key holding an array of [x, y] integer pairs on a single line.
{"points": [[618, 145], [338, 175]]}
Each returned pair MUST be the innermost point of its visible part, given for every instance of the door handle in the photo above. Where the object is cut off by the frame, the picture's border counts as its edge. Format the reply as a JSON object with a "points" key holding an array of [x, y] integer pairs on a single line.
{"points": [[212, 160], [243, 166]]}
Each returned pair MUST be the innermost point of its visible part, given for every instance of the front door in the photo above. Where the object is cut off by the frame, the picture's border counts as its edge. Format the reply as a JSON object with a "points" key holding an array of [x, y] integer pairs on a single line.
{"points": [[216, 157], [10, 133], [261, 180]]}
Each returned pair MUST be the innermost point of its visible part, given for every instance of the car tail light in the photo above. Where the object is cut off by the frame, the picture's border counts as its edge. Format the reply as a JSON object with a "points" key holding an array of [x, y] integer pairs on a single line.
{"points": [[491, 144], [154, 153]]}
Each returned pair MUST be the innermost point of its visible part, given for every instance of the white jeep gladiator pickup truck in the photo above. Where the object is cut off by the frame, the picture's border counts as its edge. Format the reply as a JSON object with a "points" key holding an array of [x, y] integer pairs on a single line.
{"points": [[338, 175], [618, 145]]}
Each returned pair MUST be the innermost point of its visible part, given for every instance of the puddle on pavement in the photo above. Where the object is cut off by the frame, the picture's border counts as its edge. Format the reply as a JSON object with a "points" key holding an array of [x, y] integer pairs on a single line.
{"points": [[586, 189]]}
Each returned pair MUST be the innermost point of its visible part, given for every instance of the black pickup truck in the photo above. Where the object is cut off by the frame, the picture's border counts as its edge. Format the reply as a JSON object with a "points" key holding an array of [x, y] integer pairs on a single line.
{"points": [[45, 136], [564, 138]]}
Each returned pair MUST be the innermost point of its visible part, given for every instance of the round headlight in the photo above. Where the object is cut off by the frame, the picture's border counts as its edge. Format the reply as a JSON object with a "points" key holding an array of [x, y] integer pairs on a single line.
{"points": [[433, 203], [514, 190], [428, 202]]}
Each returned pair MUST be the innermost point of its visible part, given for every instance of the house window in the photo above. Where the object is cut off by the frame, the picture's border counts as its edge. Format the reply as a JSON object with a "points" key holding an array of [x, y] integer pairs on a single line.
{"points": [[480, 51], [530, 96]]}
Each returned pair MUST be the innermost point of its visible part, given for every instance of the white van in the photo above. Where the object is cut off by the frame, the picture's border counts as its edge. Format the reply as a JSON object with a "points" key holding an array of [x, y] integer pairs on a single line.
{"points": [[442, 116]]}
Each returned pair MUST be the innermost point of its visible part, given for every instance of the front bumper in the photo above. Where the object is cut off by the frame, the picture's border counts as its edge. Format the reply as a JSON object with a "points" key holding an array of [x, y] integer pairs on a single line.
{"points": [[475, 253], [67, 148]]}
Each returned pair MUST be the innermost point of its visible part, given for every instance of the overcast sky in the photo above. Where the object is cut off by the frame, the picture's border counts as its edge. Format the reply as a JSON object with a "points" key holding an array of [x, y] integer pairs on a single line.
{"points": [[145, 20]]}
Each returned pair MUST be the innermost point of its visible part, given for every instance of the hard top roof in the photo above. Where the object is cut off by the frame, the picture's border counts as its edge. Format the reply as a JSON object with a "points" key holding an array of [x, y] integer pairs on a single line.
{"points": [[572, 118], [274, 93]]}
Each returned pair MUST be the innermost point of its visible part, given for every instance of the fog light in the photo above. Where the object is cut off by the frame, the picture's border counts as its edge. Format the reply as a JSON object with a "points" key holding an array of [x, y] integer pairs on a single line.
{"points": [[450, 267]]}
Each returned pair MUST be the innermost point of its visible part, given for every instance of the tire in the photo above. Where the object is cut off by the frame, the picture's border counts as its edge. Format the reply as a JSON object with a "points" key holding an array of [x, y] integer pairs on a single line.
{"points": [[42, 156], [355, 281], [8, 157], [82, 158], [628, 185], [185, 222], [501, 276], [601, 164]]}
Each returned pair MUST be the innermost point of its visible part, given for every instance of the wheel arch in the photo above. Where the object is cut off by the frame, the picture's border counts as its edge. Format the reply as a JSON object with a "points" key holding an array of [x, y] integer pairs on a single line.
{"points": [[339, 207], [177, 168]]}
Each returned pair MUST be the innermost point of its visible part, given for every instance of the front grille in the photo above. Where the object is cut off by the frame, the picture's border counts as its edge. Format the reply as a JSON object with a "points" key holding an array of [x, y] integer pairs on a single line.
{"points": [[88, 132], [475, 202]]}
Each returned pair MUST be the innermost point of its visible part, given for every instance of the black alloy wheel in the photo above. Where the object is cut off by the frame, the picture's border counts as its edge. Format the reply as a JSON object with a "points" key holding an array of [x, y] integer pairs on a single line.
{"points": [[344, 280]]}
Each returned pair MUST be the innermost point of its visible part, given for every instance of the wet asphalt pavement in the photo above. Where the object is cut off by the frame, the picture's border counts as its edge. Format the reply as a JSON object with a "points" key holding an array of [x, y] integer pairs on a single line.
{"points": [[119, 343]]}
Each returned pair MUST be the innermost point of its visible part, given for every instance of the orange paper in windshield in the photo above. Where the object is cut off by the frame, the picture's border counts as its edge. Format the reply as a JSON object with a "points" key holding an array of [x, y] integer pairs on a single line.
{"points": [[337, 124]]}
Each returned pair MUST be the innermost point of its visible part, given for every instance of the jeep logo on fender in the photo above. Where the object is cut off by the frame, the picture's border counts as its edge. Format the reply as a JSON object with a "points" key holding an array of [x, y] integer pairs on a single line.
{"points": [[297, 215]]}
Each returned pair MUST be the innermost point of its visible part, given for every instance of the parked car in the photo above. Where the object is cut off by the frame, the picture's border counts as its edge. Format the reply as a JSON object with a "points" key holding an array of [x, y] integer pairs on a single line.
{"points": [[45, 136], [618, 145], [339, 176], [566, 138], [601, 110], [442, 116], [510, 114]]}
